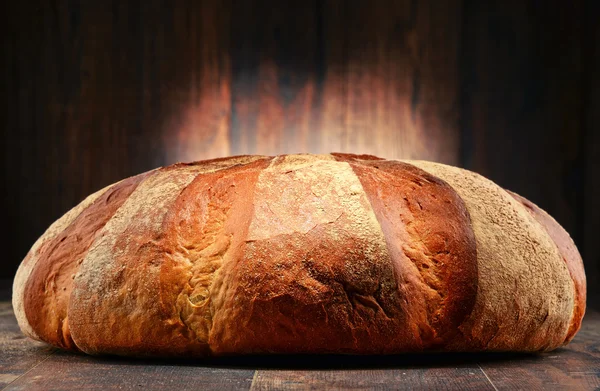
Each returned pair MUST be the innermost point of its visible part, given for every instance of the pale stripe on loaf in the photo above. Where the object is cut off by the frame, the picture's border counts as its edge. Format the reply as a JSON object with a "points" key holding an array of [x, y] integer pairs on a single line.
{"points": [[99, 284], [515, 254]]}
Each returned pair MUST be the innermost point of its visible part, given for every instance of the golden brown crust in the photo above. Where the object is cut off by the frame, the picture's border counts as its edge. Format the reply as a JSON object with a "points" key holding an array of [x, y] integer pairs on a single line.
{"points": [[29, 263], [131, 291], [570, 255], [302, 254], [315, 275], [49, 286], [115, 306], [427, 224], [207, 246], [525, 294]]}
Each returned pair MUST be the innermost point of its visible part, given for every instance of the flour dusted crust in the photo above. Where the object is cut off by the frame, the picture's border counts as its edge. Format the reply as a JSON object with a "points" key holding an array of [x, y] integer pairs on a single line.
{"points": [[31, 260], [568, 251], [526, 295], [302, 254]]}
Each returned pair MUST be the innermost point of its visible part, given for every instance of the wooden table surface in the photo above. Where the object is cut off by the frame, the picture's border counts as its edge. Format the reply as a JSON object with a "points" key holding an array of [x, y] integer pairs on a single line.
{"points": [[30, 365]]}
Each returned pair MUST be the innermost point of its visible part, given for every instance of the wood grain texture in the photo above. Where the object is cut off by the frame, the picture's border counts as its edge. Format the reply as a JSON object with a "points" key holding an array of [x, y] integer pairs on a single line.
{"points": [[461, 378], [79, 120], [274, 76], [29, 365], [392, 78], [197, 87], [19, 354], [522, 97], [68, 372], [575, 367], [99, 91]]}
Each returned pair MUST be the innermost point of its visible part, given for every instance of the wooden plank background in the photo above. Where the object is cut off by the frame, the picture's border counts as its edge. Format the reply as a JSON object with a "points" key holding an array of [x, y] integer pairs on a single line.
{"points": [[95, 91], [29, 365]]}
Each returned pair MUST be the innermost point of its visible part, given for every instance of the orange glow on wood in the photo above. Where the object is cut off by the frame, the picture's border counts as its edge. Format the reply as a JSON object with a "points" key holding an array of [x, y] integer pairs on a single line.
{"points": [[378, 88]]}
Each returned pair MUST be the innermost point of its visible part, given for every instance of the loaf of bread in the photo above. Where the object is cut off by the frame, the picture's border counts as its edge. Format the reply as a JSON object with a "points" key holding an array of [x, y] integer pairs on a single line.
{"points": [[337, 253]]}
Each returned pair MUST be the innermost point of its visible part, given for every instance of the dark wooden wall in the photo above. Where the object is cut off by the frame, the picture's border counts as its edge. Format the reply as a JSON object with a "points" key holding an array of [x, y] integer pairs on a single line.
{"points": [[95, 91]]}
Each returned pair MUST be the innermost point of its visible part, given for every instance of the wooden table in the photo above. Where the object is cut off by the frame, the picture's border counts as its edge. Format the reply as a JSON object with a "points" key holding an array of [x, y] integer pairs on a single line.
{"points": [[30, 365]]}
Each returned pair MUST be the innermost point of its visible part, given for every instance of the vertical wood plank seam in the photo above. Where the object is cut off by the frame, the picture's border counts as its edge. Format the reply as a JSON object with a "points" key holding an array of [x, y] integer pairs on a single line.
{"points": [[230, 116], [590, 52], [465, 146], [314, 133], [252, 387], [30, 369], [487, 377], [586, 53], [345, 85]]}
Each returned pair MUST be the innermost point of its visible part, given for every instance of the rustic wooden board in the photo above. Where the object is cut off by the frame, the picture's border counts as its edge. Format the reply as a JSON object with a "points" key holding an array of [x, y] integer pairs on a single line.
{"points": [[67, 372], [575, 367], [7, 316], [375, 379], [18, 354], [29, 365]]}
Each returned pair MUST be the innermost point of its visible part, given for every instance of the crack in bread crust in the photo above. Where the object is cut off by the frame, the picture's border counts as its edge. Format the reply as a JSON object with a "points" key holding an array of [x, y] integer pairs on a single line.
{"points": [[514, 255], [429, 236], [23, 276], [59, 259], [203, 227]]}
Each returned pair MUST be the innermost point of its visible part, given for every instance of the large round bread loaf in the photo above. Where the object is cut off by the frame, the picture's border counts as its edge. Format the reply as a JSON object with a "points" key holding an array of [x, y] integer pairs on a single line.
{"points": [[302, 254]]}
